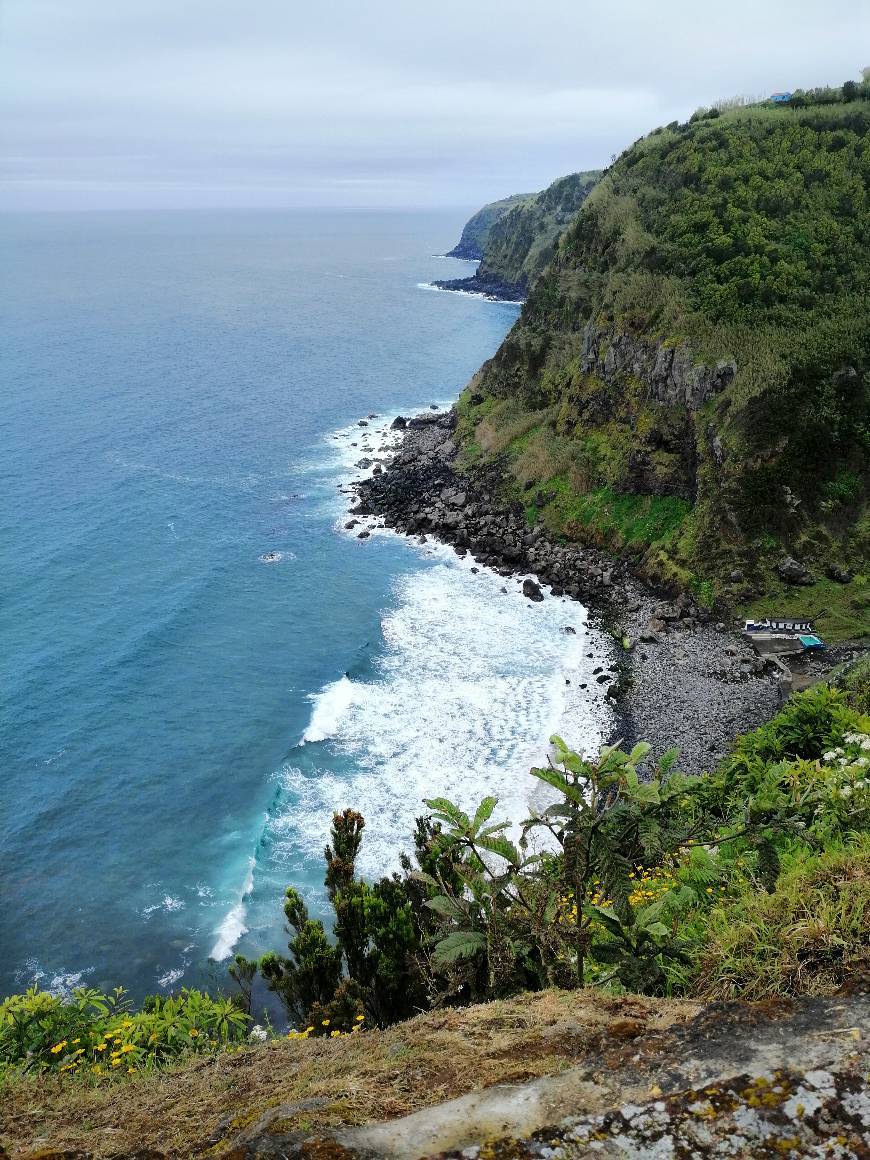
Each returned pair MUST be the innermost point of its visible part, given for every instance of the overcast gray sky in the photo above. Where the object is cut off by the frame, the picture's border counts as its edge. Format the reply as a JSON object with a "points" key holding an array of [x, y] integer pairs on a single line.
{"points": [[374, 102]]}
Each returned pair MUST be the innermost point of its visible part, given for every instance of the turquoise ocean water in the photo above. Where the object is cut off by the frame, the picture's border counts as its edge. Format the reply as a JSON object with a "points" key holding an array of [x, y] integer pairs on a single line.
{"points": [[179, 718]]}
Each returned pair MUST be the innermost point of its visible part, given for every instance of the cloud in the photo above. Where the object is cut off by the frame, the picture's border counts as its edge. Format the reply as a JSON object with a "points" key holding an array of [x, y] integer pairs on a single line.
{"points": [[384, 102]]}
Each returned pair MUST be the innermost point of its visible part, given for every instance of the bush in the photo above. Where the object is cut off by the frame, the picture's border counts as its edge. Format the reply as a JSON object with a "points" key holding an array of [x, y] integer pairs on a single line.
{"points": [[90, 1033]]}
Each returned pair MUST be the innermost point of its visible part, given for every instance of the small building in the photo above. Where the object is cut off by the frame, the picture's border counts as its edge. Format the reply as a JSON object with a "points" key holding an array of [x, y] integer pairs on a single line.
{"points": [[779, 624], [780, 98]]}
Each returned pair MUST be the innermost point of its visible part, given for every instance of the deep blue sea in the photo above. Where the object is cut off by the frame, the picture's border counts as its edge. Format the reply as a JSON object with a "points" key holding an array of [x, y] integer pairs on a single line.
{"points": [[179, 719]]}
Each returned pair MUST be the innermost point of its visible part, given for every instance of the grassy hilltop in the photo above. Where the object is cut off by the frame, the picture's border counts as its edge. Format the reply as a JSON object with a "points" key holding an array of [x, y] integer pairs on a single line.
{"points": [[689, 377]]}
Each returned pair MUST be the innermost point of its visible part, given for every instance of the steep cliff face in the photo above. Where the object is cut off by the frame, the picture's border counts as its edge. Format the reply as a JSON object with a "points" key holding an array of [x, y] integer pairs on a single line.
{"points": [[520, 241], [703, 333], [476, 230]]}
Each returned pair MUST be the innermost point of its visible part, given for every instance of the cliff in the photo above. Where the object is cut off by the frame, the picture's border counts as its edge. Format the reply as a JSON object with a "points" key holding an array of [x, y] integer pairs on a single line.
{"points": [[521, 241], [699, 349], [476, 230]]}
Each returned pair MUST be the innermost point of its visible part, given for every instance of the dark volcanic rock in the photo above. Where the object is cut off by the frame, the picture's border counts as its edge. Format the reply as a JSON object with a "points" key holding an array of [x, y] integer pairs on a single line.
{"points": [[399, 423], [532, 590], [793, 572]]}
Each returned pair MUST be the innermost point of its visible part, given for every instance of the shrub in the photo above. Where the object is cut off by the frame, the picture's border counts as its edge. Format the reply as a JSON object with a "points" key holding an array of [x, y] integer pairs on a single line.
{"points": [[90, 1033]]}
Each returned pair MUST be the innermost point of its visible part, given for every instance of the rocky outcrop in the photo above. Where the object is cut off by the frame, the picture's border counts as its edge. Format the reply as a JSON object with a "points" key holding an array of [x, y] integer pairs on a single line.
{"points": [[668, 371], [793, 572], [487, 286]]}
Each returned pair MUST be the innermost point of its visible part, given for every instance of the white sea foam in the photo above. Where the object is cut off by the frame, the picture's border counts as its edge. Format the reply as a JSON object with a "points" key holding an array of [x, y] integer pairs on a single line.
{"points": [[330, 706], [166, 903], [61, 983], [470, 686], [171, 976], [233, 926], [470, 294]]}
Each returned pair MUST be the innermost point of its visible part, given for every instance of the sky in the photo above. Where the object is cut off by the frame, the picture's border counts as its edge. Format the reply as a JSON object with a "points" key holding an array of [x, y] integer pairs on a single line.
{"points": [[380, 103]]}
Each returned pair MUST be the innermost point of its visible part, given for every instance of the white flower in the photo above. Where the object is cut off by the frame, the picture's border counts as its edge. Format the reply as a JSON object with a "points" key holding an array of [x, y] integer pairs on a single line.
{"points": [[258, 1034]]}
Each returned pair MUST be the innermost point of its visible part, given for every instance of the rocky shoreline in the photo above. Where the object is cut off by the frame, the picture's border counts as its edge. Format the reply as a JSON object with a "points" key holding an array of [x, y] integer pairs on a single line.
{"points": [[676, 676], [493, 288]]}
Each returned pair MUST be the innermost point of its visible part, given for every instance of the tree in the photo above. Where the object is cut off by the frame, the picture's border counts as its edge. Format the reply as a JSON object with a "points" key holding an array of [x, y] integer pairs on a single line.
{"points": [[310, 974], [372, 965]]}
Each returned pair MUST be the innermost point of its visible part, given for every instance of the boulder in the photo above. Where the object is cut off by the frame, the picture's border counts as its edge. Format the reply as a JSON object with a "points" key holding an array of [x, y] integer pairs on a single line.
{"points": [[532, 591], [793, 572], [399, 423], [667, 612], [841, 575]]}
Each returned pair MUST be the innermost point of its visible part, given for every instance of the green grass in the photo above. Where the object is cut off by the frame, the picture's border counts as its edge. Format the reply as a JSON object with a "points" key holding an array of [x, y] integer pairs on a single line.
{"points": [[808, 937], [842, 611], [629, 519]]}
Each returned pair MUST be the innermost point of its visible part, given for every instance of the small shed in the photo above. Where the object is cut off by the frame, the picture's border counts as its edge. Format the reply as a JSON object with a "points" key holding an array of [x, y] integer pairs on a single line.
{"points": [[780, 98]]}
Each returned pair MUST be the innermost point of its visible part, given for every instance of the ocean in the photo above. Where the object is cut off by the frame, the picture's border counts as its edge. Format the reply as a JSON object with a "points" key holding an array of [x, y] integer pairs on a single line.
{"points": [[180, 717]]}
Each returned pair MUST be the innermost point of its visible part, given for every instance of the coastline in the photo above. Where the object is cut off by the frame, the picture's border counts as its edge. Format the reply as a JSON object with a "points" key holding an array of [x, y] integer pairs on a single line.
{"points": [[678, 678], [493, 289]]}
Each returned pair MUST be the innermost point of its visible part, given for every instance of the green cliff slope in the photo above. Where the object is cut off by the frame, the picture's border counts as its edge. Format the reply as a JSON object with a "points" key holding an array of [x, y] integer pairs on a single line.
{"points": [[689, 376], [522, 242], [476, 230]]}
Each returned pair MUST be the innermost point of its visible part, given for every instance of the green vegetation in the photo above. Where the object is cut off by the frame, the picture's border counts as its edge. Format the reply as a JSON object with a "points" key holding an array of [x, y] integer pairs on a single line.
{"points": [[476, 230], [97, 1036], [521, 242], [703, 333]]}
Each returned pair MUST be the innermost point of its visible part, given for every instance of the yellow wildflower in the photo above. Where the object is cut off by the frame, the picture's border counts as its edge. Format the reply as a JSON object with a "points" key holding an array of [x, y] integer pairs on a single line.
{"points": [[360, 1018], [116, 1063], [193, 1033], [334, 1034], [127, 1047], [101, 1046], [58, 1047], [325, 1023]]}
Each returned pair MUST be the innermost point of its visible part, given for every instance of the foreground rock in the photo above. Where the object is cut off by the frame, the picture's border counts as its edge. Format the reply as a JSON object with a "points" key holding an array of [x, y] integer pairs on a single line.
{"points": [[678, 680], [738, 1080]]}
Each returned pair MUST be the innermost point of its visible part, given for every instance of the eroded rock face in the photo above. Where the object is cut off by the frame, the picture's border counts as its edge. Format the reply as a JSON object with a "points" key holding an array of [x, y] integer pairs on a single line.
{"points": [[668, 372]]}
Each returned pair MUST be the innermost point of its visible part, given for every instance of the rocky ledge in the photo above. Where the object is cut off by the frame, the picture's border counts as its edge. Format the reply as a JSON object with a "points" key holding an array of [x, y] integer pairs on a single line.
{"points": [[675, 677], [488, 286]]}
